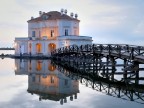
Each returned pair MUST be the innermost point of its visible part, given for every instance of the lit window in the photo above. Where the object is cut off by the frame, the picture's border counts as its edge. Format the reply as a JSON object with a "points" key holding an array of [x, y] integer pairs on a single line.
{"points": [[39, 66], [52, 33], [51, 67], [38, 48], [52, 79]]}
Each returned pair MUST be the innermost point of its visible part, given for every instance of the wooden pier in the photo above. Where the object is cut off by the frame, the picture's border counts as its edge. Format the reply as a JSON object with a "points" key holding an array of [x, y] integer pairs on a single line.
{"points": [[109, 66], [132, 56]]}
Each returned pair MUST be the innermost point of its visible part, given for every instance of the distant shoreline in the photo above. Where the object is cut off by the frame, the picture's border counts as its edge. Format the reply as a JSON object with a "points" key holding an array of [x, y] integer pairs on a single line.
{"points": [[7, 49]]}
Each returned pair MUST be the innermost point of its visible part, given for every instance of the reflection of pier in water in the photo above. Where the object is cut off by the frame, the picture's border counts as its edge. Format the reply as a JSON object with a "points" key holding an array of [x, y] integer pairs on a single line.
{"points": [[111, 81], [110, 75], [47, 82], [122, 89]]}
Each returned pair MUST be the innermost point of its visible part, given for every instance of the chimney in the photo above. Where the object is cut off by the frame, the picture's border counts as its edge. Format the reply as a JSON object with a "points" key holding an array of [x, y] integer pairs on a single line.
{"points": [[62, 10], [71, 14], [76, 16], [65, 11], [32, 18], [40, 13]]}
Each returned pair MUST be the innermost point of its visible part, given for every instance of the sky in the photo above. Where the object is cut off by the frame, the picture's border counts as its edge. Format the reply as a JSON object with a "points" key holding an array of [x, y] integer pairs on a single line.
{"points": [[106, 21]]}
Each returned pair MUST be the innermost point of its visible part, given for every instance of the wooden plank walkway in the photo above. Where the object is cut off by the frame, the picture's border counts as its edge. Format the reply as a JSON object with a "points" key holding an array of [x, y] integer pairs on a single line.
{"points": [[131, 52]]}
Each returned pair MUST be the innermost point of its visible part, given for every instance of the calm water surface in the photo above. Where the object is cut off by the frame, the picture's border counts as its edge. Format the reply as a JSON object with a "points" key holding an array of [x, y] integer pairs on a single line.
{"points": [[37, 84]]}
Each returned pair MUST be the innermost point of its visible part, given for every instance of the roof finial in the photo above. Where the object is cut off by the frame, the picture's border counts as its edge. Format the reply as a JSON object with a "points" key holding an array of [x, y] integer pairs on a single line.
{"points": [[76, 15], [65, 11], [62, 10], [71, 14], [32, 17], [40, 13]]}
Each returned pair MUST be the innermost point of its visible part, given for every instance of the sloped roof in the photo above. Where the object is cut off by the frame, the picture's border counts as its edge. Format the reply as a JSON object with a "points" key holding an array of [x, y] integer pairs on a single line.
{"points": [[52, 15], [50, 96]]}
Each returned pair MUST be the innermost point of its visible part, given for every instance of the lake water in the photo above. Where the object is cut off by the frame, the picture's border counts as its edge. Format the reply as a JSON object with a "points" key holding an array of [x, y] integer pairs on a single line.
{"points": [[6, 52], [38, 84]]}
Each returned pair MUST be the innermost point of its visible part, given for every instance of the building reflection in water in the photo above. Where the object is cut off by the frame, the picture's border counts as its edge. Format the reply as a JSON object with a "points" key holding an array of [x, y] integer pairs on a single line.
{"points": [[46, 81]]}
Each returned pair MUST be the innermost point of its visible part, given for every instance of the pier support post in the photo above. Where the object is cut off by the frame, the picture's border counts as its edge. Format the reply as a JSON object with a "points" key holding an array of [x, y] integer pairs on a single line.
{"points": [[125, 71]]}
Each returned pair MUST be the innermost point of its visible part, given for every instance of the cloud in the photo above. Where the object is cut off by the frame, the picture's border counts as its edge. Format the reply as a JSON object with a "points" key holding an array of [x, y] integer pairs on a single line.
{"points": [[116, 21], [139, 29], [121, 20], [91, 98]]}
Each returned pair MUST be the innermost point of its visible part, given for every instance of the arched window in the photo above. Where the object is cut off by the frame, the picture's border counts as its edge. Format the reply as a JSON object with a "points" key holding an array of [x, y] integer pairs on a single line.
{"points": [[51, 67], [39, 66], [51, 47], [38, 48]]}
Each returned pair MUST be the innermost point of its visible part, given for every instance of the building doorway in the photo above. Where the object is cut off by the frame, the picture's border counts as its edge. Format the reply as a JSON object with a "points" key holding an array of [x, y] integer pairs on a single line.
{"points": [[22, 49], [51, 47], [51, 67], [38, 48]]}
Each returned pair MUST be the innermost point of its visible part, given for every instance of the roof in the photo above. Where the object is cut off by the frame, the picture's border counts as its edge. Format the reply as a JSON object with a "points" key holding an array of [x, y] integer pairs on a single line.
{"points": [[52, 15], [50, 96]]}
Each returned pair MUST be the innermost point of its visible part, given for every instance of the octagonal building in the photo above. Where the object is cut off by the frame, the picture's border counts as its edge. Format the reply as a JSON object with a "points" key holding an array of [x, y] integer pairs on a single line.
{"points": [[50, 31]]}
